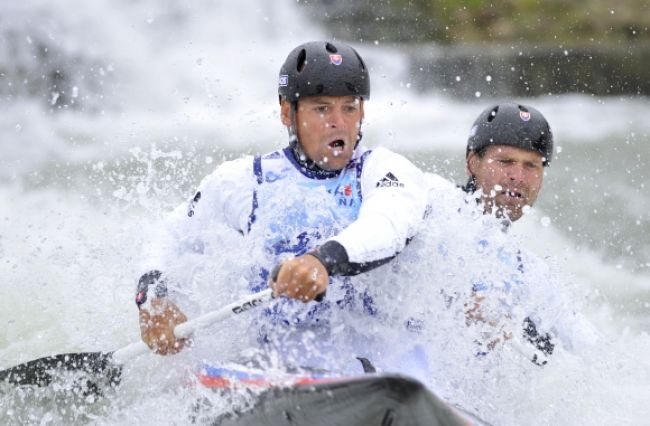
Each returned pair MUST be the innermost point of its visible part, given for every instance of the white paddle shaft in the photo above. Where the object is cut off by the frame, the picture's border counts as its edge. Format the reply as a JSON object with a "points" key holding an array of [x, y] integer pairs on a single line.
{"points": [[185, 329]]}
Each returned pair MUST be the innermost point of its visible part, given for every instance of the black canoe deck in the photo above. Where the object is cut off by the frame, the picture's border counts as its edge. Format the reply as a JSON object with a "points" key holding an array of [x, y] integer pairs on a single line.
{"points": [[382, 400]]}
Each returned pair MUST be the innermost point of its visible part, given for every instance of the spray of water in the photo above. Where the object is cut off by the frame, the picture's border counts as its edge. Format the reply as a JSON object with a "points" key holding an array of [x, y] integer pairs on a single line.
{"points": [[113, 113]]}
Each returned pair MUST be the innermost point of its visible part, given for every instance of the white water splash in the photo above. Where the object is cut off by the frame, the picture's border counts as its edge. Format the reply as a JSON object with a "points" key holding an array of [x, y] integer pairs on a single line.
{"points": [[156, 94]]}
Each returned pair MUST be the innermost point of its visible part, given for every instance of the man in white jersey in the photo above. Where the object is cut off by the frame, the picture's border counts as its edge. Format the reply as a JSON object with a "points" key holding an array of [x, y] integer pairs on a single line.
{"points": [[328, 206], [508, 147]]}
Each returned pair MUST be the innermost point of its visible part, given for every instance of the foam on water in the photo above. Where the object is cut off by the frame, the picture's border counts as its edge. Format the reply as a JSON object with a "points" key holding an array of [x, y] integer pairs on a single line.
{"points": [[165, 92]]}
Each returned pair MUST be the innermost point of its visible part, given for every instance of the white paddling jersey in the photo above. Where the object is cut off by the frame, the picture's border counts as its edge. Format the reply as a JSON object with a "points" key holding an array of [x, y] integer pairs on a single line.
{"points": [[372, 207]]}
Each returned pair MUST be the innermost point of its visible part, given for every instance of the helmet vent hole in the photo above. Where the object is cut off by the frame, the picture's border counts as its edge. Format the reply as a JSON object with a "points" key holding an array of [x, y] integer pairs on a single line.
{"points": [[522, 108], [302, 60], [493, 114], [331, 48]]}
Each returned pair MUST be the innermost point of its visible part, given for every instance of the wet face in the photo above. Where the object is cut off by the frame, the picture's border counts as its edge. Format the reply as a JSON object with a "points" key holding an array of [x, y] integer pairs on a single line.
{"points": [[509, 177], [327, 128]]}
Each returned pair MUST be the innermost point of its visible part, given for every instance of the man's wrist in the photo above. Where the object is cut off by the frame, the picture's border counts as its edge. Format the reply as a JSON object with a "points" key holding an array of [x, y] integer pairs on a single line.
{"points": [[333, 256]]}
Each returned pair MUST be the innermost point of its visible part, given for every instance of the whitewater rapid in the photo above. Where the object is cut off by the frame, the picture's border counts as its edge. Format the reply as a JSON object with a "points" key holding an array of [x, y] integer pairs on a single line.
{"points": [[157, 95]]}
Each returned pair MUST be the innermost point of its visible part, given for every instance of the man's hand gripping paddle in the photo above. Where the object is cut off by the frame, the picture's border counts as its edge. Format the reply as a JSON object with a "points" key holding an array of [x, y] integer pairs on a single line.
{"points": [[106, 367]]}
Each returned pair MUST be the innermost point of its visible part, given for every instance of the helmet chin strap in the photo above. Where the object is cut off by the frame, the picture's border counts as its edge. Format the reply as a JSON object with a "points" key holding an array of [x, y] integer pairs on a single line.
{"points": [[359, 137]]}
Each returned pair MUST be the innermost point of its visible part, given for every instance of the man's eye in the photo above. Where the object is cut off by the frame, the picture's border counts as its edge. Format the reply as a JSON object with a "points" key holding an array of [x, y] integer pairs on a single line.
{"points": [[351, 108], [321, 109]]}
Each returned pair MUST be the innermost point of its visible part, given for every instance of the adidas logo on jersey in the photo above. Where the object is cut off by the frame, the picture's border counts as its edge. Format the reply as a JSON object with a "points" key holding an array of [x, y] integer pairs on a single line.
{"points": [[389, 181]]}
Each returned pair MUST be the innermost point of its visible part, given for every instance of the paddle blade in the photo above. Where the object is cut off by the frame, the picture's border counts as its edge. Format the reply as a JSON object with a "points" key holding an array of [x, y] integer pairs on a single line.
{"points": [[41, 372]]}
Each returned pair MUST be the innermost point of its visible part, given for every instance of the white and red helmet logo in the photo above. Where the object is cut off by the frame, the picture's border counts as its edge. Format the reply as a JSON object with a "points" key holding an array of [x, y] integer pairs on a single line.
{"points": [[336, 59]]}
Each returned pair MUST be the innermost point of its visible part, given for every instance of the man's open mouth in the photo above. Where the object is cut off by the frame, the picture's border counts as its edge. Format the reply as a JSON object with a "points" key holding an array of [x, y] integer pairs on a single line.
{"points": [[337, 144]]}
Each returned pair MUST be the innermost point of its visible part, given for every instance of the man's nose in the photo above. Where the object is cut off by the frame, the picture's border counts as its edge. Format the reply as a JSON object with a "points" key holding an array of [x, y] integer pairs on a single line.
{"points": [[517, 173], [335, 119]]}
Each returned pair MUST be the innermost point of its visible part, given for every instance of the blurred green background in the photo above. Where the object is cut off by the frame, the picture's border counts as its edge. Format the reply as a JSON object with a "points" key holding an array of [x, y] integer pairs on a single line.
{"points": [[527, 47]]}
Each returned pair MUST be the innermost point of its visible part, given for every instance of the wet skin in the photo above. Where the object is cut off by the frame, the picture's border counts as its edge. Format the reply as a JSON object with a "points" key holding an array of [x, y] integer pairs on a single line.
{"points": [[510, 178], [327, 128]]}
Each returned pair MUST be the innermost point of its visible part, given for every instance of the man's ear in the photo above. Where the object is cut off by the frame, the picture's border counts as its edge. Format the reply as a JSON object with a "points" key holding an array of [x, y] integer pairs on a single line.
{"points": [[472, 163], [285, 113]]}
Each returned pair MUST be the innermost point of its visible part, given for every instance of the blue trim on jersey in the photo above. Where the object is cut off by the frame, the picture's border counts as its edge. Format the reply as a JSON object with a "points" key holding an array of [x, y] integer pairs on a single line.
{"points": [[361, 161], [257, 170], [272, 155], [252, 217], [359, 166]]}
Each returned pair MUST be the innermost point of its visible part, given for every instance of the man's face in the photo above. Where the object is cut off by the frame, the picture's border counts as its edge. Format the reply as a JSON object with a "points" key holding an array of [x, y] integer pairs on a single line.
{"points": [[509, 177], [327, 127]]}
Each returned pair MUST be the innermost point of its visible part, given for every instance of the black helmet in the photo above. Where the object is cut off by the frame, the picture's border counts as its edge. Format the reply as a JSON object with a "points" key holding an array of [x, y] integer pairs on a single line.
{"points": [[512, 124], [323, 68]]}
